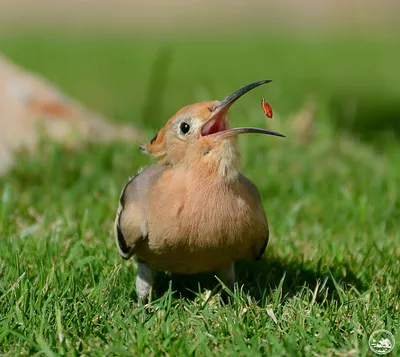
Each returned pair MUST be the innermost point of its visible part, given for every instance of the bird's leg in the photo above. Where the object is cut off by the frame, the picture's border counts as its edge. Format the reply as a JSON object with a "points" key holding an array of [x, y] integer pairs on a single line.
{"points": [[227, 275], [144, 282]]}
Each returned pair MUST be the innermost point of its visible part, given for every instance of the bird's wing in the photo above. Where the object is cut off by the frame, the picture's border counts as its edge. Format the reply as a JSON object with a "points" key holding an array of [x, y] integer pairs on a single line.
{"points": [[131, 220], [261, 244]]}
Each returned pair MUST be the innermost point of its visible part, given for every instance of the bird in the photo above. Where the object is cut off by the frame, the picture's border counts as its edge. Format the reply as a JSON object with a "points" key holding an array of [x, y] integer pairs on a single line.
{"points": [[192, 211]]}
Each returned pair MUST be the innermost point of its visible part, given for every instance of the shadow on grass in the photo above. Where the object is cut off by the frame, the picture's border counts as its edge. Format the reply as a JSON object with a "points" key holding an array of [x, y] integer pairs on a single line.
{"points": [[261, 279]]}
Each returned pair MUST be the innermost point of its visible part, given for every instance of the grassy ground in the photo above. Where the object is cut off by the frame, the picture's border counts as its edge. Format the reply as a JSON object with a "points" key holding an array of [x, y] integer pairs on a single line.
{"points": [[330, 276]]}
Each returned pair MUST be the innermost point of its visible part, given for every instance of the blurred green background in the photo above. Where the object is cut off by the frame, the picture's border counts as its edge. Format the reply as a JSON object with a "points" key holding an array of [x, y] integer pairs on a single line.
{"points": [[330, 189], [112, 73]]}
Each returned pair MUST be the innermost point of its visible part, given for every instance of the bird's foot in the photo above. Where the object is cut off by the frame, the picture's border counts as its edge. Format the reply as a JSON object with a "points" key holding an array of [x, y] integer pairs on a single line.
{"points": [[228, 277], [144, 283]]}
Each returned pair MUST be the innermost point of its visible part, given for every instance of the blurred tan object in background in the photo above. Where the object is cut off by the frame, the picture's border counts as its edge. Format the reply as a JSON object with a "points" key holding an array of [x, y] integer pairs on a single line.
{"points": [[30, 106]]}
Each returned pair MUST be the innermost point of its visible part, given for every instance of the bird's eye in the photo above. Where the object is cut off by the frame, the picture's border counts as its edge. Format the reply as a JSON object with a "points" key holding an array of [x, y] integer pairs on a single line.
{"points": [[185, 127]]}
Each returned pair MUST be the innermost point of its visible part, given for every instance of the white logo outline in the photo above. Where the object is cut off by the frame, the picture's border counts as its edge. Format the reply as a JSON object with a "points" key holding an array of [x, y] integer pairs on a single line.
{"points": [[381, 345]]}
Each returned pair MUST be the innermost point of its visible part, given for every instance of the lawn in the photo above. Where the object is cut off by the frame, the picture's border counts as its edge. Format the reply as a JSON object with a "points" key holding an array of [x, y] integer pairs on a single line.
{"points": [[330, 276]]}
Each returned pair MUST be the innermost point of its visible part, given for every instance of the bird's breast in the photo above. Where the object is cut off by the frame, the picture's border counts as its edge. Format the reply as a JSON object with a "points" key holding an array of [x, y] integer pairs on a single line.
{"points": [[195, 229]]}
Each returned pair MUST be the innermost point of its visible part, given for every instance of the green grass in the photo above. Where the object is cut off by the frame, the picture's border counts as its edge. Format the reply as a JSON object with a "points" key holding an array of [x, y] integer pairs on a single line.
{"points": [[330, 276]]}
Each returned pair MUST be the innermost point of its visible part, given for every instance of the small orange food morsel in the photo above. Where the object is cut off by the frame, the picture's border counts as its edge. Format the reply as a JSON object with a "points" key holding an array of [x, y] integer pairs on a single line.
{"points": [[266, 107]]}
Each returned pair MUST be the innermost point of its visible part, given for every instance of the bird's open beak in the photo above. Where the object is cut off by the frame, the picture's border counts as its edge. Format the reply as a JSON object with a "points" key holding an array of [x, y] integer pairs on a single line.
{"points": [[217, 125]]}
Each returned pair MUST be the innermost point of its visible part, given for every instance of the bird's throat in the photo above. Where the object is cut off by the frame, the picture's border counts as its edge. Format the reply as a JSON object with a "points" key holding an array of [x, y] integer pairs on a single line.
{"points": [[227, 169], [217, 164]]}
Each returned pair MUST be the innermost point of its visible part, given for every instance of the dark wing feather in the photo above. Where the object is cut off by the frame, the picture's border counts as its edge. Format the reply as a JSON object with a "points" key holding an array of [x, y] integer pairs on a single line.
{"points": [[262, 250]]}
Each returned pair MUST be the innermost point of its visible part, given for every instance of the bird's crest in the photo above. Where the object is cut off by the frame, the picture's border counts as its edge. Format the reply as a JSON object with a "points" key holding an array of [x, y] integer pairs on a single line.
{"points": [[156, 147]]}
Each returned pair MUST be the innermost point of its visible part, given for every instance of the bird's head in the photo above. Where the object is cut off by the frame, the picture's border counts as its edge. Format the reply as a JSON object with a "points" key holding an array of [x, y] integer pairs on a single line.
{"points": [[198, 136]]}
